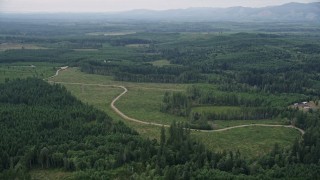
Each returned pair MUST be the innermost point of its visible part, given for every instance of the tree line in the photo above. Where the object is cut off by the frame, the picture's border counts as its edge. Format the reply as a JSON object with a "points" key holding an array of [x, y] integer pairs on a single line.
{"points": [[143, 72]]}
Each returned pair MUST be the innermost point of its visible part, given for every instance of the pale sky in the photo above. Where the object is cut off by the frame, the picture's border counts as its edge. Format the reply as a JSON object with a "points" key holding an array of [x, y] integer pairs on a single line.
{"points": [[123, 5]]}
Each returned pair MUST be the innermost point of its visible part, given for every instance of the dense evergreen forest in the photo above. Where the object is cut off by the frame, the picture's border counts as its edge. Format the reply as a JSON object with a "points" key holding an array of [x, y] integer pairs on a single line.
{"points": [[238, 62], [254, 76], [43, 126]]}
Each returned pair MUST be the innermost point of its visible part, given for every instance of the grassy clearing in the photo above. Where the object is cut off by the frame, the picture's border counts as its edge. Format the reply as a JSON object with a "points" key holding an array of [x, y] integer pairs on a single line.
{"points": [[49, 174], [142, 102], [85, 49], [75, 75], [92, 95], [9, 46], [138, 45], [250, 141], [111, 33], [219, 124], [101, 97], [160, 63], [22, 70], [145, 104]]}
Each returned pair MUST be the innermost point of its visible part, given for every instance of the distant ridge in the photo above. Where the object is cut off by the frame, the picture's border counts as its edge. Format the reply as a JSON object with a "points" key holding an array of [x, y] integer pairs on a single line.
{"points": [[290, 12], [286, 12]]}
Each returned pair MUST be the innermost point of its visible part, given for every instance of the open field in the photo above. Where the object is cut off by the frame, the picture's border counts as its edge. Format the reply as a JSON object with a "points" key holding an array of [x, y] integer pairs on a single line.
{"points": [[138, 45], [219, 124], [85, 49], [146, 106], [110, 33], [160, 63], [142, 101], [75, 75], [101, 97], [9, 46], [22, 70], [54, 174], [250, 141]]}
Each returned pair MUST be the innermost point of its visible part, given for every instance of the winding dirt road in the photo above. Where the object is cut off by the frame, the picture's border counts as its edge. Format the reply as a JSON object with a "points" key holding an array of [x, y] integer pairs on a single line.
{"points": [[124, 116], [57, 73]]}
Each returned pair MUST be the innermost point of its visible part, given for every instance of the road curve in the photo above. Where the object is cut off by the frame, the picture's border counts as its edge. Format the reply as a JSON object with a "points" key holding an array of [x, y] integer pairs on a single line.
{"points": [[114, 108], [124, 116], [57, 72]]}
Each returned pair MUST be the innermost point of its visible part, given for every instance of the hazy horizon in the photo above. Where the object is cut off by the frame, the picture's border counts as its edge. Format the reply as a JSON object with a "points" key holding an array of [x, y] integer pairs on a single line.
{"points": [[51, 6]]}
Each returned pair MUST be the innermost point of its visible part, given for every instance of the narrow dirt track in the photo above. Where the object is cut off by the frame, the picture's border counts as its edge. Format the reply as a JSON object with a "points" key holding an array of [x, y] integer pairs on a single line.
{"points": [[57, 73], [125, 90]]}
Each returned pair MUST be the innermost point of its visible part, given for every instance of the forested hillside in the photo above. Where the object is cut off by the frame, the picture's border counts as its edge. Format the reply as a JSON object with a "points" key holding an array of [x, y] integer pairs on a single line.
{"points": [[244, 62], [43, 126]]}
